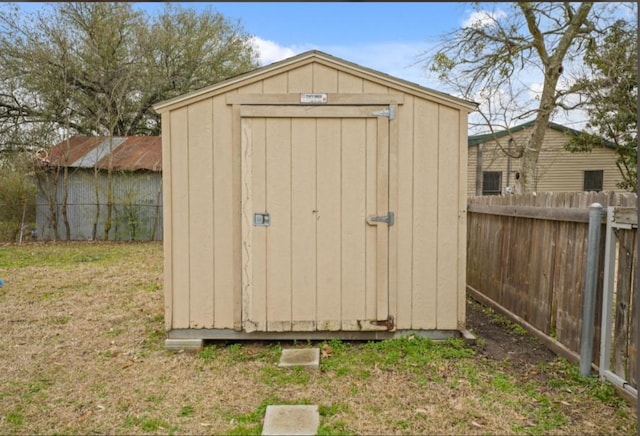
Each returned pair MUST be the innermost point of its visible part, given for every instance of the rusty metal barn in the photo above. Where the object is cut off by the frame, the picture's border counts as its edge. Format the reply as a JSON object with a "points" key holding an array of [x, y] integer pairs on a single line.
{"points": [[314, 198], [130, 168]]}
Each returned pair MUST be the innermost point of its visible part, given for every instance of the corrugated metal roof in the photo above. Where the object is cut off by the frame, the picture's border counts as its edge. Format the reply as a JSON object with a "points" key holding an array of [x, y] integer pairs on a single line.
{"points": [[127, 153]]}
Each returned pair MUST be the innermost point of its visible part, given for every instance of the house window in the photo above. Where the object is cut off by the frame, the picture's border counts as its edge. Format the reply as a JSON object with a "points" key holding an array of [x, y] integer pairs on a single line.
{"points": [[491, 182], [593, 180]]}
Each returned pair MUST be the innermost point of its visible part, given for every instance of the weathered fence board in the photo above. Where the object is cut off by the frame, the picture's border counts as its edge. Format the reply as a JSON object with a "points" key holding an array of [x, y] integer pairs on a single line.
{"points": [[527, 253]]}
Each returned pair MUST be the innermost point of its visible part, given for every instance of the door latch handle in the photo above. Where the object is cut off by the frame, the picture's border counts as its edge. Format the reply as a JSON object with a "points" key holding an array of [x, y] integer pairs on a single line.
{"points": [[389, 218]]}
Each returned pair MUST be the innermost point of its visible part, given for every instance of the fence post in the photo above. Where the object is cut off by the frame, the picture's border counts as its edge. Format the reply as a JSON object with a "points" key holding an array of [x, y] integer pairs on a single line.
{"points": [[590, 286]]}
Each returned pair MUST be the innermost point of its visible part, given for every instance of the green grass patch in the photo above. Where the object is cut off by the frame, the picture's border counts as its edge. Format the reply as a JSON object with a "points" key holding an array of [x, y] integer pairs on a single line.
{"points": [[275, 376], [148, 424], [15, 418], [186, 411], [407, 353]]}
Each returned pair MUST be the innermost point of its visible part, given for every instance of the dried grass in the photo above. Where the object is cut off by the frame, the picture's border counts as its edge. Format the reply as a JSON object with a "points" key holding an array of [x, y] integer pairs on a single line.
{"points": [[82, 352]]}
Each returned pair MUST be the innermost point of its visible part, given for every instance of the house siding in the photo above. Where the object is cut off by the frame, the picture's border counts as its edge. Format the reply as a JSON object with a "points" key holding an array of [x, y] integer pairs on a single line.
{"points": [[558, 170]]}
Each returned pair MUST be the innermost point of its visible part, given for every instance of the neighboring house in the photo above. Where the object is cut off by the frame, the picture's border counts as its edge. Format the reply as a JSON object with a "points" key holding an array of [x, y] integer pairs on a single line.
{"points": [[136, 188], [492, 172]]}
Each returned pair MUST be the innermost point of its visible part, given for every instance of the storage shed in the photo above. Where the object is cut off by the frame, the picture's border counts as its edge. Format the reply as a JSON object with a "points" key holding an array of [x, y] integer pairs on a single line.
{"points": [[314, 198]]}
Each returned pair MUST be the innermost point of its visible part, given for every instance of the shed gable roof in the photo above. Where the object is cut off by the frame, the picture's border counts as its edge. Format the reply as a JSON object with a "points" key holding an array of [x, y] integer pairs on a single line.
{"points": [[479, 139], [322, 58], [130, 153]]}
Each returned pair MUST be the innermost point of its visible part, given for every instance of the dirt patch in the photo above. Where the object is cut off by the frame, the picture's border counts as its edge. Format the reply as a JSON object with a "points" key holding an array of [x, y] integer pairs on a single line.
{"points": [[501, 340]]}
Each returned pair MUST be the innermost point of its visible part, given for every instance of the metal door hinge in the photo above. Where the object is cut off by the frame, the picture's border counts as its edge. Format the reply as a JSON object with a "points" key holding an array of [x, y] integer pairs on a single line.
{"points": [[389, 323], [389, 113], [389, 218]]}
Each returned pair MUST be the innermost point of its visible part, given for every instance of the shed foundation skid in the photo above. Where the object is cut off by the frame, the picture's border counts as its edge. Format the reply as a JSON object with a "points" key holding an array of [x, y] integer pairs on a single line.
{"points": [[189, 339]]}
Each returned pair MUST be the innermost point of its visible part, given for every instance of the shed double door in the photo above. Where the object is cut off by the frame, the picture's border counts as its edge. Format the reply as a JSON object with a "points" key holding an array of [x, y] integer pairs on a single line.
{"points": [[315, 193]]}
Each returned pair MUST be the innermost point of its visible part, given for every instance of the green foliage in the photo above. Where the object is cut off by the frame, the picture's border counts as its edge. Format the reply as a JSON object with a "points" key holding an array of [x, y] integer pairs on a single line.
{"points": [[17, 196], [611, 90], [97, 68]]}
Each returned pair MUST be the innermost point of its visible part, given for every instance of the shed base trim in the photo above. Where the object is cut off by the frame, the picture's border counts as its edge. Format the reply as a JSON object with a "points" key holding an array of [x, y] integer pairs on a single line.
{"points": [[193, 336]]}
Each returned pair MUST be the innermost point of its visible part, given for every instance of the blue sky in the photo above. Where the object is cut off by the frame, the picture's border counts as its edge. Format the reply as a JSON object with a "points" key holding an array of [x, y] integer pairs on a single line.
{"points": [[385, 36]]}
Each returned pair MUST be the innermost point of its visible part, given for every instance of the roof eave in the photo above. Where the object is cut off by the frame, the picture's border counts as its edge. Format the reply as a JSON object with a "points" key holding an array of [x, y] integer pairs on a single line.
{"points": [[259, 73]]}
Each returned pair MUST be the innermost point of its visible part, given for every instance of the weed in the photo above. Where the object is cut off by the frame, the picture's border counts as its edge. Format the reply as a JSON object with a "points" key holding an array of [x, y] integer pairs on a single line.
{"points": [[402, 424], [153, 287], [186, 411], [332, 409], [237, 353], [15, 418], [338, 428], [61, 320], [243, 430], [570, 379], [502, 384], [207, 354], [146, 424], [274, 376]]}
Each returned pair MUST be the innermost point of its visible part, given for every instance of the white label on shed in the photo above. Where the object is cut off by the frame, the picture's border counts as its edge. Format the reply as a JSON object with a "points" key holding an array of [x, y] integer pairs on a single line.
{"points": [[314, 98]]}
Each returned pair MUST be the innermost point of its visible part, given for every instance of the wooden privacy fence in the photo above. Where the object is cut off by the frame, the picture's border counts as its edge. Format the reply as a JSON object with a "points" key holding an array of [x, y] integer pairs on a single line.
{"points": [[526, 254]]}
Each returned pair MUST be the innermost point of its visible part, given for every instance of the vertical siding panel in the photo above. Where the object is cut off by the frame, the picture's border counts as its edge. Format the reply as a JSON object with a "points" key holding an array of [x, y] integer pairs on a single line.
{"points": [[201, 214], [447, 251], [353, 221], [329, 213], [325, 79], [225, 281], [374, 88], [425, 214], [371, 232], [462, 219], [253, 88], [167, 235], [472, 164], [279, 233], [303, 217], [275, 84], [179, 155], [255, 130], [301, 79], [349, 84], [393, 207], [404, 215]]}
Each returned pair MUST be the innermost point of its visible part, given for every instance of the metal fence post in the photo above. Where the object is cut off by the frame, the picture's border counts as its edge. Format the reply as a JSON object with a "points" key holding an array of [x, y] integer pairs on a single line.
{"points": [[590, 286]]}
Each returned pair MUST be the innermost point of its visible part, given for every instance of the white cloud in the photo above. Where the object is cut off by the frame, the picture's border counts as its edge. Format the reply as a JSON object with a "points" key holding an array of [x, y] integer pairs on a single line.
{"points": [[396, 59], [270, 52], [483, 18], [535, 90]]}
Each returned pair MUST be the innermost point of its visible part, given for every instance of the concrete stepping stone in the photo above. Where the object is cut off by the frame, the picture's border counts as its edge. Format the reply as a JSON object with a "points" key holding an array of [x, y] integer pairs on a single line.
{"points": [[291, 420], [305, 357]]}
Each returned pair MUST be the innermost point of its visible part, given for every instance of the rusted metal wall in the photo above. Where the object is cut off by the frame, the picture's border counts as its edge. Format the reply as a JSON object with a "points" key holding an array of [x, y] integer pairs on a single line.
{"points": [[527, 253], [136, 213]]}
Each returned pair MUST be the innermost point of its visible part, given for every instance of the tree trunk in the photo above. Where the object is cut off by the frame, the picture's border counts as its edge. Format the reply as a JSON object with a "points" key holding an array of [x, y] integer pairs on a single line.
{"points": [[552, 71]]}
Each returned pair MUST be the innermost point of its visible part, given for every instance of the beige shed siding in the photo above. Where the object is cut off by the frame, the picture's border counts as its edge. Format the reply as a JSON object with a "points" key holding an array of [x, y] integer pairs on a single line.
{"points": [[203, 276], [558, 169]]}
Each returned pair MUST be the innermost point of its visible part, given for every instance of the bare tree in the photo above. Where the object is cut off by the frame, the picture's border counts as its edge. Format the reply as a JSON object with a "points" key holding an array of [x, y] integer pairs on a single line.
{"points": [[489, 58]]}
